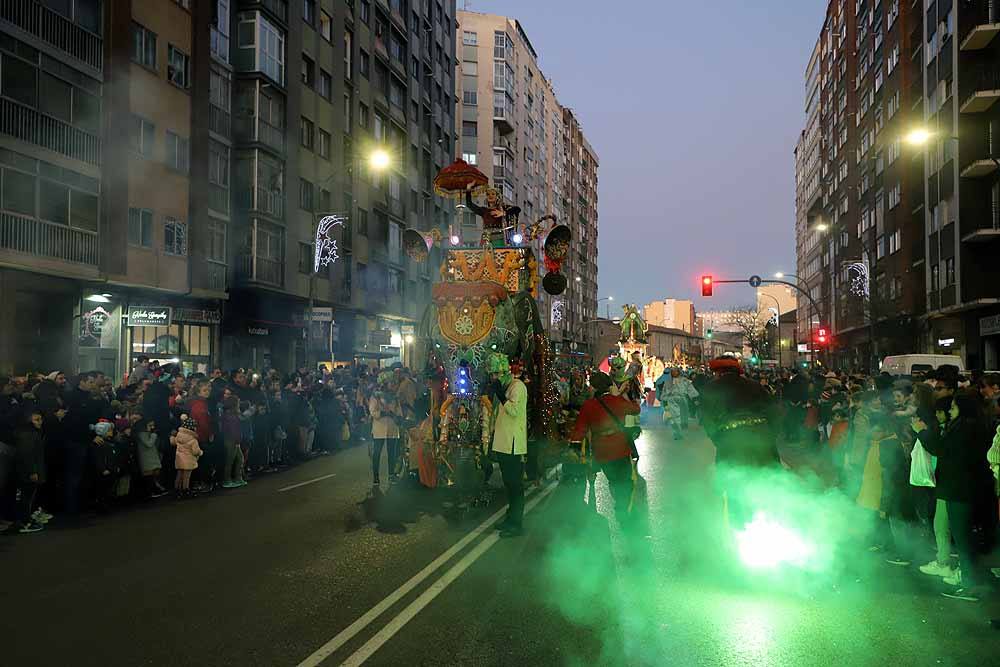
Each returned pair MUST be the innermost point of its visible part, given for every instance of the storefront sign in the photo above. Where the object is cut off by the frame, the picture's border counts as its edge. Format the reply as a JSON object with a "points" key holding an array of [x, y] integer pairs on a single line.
{"points": [[946, 342], [380, 337], [803, 347], [258, 331], [323, 314], [989, 326], [150, 316], [197, 315], [408, 329], [92, 327]]}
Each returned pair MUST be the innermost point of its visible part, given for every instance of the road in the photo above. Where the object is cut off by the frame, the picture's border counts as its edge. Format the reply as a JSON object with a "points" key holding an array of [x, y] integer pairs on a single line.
{"points": [[305, 567]]}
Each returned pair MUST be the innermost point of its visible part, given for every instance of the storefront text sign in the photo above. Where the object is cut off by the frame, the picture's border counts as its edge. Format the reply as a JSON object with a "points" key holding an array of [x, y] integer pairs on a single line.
{"points": [[150, 316], [197, 315], [319, 314], [92, 327], [989, 326], [380, 337], [258, 331]]}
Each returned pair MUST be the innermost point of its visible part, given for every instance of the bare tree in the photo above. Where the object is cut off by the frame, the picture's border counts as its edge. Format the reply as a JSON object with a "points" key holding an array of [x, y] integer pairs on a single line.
{"points": [[752, 324]]}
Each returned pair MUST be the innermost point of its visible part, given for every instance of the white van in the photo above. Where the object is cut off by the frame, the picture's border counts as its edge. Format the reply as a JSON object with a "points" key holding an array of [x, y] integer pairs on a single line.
{"points": [[908, 364]]}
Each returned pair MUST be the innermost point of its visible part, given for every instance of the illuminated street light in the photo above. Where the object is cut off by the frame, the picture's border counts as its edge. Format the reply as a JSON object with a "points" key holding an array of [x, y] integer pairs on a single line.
{"points": [[408, 339], [822, 227], [918, 137], [379, 160], [779, 275], [579, 279]]}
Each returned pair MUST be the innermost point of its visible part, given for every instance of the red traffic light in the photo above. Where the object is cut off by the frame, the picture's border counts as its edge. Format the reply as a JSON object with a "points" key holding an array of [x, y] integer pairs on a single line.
{"points": [[706, 285], [822, 337]]}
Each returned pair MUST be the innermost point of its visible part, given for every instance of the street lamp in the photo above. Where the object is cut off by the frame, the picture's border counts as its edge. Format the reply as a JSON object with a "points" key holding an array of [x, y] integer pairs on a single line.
{"points": [[607, 311]]}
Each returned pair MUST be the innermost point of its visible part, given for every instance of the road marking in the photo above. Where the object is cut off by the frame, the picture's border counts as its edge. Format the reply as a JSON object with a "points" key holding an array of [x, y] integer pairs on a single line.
{"points": [[311, 481], [411, 610]]}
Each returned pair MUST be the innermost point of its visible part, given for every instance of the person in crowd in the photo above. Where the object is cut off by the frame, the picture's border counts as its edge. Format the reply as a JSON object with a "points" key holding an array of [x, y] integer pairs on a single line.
{"points": [[30, 440], [187, 453], [105, 462], [601, 421], [926, 464], [147, 444], [962, 471], [383, 406], [675, 392], [84, 407], [141, 371], [510, 438], [232, 432]]}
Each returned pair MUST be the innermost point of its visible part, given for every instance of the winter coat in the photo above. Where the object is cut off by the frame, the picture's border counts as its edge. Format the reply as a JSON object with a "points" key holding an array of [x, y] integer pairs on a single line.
{"points": [[30, 445], [202, 414], [510, 426], [962, 467], [146, 445], [231, 429], [188, 451]]}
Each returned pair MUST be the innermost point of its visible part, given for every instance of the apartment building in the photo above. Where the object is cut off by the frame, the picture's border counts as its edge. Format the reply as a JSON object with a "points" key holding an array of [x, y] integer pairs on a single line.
{"points": [[671, 314], [960, 53], [161, 193], [513, 127]]}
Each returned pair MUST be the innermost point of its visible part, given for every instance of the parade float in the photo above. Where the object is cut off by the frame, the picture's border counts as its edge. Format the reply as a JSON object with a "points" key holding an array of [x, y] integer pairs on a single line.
{"points": [[484, 311]]}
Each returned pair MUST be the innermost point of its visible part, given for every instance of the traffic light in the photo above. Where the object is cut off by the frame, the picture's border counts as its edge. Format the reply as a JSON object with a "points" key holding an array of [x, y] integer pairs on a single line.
{"points": [[708, 334], [706, 285], [753, 360], [822, 338]]}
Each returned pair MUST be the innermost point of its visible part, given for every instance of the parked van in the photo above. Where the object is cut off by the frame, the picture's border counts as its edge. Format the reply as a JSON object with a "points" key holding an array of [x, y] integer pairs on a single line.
{"points": [[908, 364]]}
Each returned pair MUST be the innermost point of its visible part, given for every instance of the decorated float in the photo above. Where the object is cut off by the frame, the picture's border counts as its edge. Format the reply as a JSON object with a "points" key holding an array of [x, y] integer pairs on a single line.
{"points": [[484, 311]]}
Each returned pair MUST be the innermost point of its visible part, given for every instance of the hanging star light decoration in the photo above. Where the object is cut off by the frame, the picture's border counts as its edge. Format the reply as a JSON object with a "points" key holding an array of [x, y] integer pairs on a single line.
{"points": [[326, 245], [860, 282], [558, 310]]}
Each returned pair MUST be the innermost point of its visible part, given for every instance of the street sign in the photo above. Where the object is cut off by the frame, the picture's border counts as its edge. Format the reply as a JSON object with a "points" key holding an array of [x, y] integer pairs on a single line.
{"points": [[755, 281], [319, 314]]}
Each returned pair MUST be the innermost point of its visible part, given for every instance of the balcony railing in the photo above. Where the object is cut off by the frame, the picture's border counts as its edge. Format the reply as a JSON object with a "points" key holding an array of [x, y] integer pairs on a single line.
{"points": [[983, 85], [55, 29], [218, 198], [261, 270], [277, 7], [216, 276], [983, 24], [44, 239], [27, 124], [249, 129], [219, 121], [270, 202]]}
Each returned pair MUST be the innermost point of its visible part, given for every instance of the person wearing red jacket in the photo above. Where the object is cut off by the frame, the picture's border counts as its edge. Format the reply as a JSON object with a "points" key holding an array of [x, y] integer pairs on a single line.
{"points": [[602, 420]]}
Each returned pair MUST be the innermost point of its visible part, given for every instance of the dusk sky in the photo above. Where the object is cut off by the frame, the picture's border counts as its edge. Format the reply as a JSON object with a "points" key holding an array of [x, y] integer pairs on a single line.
{"points": [[694, 109]]}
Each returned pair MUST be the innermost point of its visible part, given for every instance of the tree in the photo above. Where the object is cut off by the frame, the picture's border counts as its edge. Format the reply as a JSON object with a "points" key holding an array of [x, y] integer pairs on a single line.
{"points": [[751, 323]]}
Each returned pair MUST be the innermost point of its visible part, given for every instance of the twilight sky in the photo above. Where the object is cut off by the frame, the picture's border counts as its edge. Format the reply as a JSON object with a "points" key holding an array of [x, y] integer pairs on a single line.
{"points": [[694, 109]]}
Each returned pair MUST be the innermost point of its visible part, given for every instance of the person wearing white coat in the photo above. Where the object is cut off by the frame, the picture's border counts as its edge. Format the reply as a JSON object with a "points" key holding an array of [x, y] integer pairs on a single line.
{"points": [[510, 441]]}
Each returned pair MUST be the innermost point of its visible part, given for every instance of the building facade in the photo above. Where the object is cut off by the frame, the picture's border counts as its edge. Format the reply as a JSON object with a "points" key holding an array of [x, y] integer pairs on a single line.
{"points": [[190, 235], [671, 314], [513, 127]]}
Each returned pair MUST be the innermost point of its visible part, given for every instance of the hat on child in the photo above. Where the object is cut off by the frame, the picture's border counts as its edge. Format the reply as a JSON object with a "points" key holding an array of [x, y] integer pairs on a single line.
{"points": [[189, 423], [102, 427]]}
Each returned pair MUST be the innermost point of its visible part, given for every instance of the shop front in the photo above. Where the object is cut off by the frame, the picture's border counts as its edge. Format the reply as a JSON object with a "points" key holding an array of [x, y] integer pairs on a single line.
{"points": [[989, 334], [173, 335]]}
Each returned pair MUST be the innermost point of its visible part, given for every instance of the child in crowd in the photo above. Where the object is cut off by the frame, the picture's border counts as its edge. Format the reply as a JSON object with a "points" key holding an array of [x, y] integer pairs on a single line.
{"points": [[247, 412], [105, 462], [186, 457], [232, 469], [147, 446], [30, 444]]}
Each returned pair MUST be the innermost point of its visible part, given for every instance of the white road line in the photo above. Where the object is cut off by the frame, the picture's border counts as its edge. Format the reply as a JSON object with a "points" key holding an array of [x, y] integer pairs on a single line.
{"points": [[311, 481], [411, 610]]}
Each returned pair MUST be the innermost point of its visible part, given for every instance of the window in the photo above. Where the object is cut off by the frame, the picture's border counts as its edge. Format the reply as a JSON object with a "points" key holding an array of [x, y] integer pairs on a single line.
{"points": [[365, 64], [306, 190], [306, 258], [220, 31], [894, 242], [325, 200], [470, 129], [309, 11], [348, 108], [881, 247], [143, 46], [324, 144], [470, 68], [415, 67], [218, 164], [178, 153], [471, 158], [470, 38], [216, 240], [141, 136], [396, 93], [308, 71], [366, 11], [363, 116], [325, 26], [348, 54], [894, 196], [177, 67], [935, 278], [949, 271], [140, 227], [267, 42], [174, 237], [325, 88], [362, 222], [306, 133]]}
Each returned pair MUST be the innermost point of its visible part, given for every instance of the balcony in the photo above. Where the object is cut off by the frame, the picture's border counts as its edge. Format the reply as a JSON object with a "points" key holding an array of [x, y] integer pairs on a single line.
{"points": [[268, 202], [262, 270], [219, 121], [27, 124], [980, 220], [216, 276], [503, 120], [980, 168], [984, 24], [278, 8], [55, 29], [218, 198], [44, 239], [255, 131], [985, 86]]}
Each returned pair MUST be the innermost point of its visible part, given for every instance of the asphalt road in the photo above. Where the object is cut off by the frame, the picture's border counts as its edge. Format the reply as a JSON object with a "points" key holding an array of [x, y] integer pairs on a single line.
{"points": [[307, 567]]}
